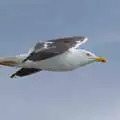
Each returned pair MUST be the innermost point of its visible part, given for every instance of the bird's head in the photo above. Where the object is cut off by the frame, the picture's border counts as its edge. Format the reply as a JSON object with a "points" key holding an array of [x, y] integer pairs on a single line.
{"points": [[89, 57]]}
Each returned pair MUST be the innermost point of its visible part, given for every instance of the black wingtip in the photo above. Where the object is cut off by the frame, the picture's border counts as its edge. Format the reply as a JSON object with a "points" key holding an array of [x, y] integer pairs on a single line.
{"points": [[13, 76], [24, 60], [24, 72]]}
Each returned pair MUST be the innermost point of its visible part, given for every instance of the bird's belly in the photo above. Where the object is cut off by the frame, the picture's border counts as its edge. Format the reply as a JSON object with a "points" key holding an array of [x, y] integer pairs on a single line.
{"points": [[64, 62]]}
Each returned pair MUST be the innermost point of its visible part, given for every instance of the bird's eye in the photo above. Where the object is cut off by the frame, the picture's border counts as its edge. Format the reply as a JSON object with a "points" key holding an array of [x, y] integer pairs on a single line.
{"points": [[88, 54]]}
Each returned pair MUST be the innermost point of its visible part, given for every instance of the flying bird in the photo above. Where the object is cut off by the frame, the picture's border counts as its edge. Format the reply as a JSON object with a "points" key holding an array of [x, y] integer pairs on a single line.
{"points": [[61, 54]]}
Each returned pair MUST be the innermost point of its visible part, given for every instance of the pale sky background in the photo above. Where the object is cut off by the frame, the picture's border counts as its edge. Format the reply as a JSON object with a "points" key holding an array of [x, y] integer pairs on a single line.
{"points": [[89, 93]]}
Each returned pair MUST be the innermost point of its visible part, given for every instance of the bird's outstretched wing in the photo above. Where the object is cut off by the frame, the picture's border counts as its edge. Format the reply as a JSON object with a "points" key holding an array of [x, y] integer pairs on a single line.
{"points": [[54, 47], [24, 72]]}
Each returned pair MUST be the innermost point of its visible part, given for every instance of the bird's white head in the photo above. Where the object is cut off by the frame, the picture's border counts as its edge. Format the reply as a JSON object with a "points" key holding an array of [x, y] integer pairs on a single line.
{"points": [[87, 57]]}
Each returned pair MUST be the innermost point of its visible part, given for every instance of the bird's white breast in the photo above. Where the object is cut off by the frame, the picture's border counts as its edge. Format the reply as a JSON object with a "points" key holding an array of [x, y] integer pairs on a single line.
{"points": [[64, 62]]}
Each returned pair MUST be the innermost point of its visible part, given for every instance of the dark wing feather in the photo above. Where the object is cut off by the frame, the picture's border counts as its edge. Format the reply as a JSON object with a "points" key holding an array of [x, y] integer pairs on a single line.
{"points": [[53, 48], [24, 72]]}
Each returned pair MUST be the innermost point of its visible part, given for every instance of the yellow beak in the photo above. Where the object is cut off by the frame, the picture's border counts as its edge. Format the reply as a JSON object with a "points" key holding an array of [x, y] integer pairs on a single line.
{"points": [[99, 59]]}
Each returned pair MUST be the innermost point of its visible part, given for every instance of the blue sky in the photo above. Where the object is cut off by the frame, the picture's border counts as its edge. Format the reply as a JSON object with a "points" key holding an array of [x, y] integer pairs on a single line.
{"points": [[91, 92]]}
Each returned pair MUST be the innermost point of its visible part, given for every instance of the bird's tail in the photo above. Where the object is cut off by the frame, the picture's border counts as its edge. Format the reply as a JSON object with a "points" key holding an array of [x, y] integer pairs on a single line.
{"points": [[11, 61]]}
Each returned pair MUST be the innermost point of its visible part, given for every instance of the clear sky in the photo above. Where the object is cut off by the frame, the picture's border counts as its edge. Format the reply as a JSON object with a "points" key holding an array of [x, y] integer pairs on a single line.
{"points": [[89, 93]]}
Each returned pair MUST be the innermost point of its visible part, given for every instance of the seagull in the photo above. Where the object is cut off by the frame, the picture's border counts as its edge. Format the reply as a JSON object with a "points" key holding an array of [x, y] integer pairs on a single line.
{"points": [[60, 54]]}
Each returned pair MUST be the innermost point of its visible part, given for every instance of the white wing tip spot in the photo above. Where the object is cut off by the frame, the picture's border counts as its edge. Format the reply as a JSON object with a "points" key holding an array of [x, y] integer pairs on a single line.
{"points": [[86, 39]]}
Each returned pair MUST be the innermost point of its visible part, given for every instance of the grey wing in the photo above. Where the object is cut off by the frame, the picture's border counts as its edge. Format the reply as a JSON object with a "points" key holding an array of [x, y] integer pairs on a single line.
{"points": [[53, 48]]}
